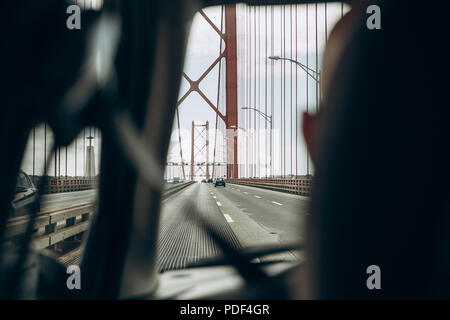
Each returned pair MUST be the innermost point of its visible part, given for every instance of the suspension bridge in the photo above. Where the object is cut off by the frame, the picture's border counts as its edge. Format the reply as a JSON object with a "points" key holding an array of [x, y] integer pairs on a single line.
{"points": [[266, 73]]}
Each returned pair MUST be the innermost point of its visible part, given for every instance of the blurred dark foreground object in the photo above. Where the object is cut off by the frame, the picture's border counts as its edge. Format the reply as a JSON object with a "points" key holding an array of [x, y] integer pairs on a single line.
{"points": [[382, 194]]}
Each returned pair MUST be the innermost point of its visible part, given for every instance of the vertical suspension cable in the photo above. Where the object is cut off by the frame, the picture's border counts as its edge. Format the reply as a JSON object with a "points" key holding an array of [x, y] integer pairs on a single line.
{"points": [[256, 53], [272, 87], [284, 93], [245, 50], [92, 143], [217, 100], [249, 88], [258, 145], [84, 150], [76, 140], [296, 88], [179, 142], [290, 91], [326, 24], [45, 146], [247, 76], [317, 61], [66, 161], [34, 150], [265, 90], [59, 162], [241, 93], [254, 93], [281, 93], [307, 79], [55, 159]]}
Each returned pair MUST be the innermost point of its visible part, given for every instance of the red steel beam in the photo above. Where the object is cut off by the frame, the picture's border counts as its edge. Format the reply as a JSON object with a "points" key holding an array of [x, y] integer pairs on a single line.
{"points": [[231, 91], [231, 117]]}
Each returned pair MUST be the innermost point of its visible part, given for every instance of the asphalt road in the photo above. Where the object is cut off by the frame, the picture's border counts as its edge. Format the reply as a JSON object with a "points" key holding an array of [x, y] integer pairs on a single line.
{"points": [[247, 216], [182, 239], [67, 199], [256, 217], [277, 213]]}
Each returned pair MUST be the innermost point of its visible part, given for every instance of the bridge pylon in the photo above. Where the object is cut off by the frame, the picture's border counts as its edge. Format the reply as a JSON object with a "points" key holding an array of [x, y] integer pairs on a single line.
{"points": [[200, 150]]}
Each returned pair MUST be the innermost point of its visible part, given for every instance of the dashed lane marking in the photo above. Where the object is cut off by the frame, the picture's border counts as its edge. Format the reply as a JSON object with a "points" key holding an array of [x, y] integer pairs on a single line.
{"points": [[277, 203], [228, 218]]}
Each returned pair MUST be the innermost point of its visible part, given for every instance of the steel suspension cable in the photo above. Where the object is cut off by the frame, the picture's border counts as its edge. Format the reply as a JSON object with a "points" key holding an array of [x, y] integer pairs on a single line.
{"points": [[296, 89], [249, 97], [272, 87], [326, 23], [45, 146], [34, 150], [254, 93], [307, 79], [218, 96], [179, 143], [258, 104], [265, 91], [290, 82], [284, 93], [281, 93], [317, 61]]}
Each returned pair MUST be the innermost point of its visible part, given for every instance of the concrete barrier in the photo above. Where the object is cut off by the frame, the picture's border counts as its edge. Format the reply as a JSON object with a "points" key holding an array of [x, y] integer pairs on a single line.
{"points": [[174, 188], [52, 227]]}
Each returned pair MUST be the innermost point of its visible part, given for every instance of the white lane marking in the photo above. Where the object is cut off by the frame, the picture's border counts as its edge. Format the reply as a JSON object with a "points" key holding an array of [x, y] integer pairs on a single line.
{"points": [[257, 197], [228, 218], [218, 203], [214, 197], [245, 192], [274, 202]]}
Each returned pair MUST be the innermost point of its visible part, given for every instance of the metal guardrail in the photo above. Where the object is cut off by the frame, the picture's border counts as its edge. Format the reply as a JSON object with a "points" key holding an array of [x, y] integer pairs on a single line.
{"points": [[174, 188], [54, 226], [299, 186]]}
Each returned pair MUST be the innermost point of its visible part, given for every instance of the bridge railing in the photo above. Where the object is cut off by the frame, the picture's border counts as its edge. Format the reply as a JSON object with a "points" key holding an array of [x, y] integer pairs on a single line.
{"points": [[56, 184], [299, 186], [52, 227]]}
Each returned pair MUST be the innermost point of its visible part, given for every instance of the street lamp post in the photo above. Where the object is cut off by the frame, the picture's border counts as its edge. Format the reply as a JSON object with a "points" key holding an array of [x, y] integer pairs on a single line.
{"points": [[316, 75], [269, 120]]}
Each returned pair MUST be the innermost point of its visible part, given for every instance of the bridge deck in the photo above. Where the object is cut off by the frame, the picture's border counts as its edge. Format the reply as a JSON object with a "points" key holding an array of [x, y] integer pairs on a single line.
{"points": [[182, 240]]}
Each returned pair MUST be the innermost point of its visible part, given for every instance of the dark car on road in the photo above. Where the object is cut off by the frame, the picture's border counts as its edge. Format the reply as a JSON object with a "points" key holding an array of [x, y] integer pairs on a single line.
{"points": [[219, 182], [25, 196]]}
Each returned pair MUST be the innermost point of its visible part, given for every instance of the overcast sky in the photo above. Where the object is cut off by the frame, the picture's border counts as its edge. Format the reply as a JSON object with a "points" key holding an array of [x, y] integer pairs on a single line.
{"points": [[203, 49]]}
